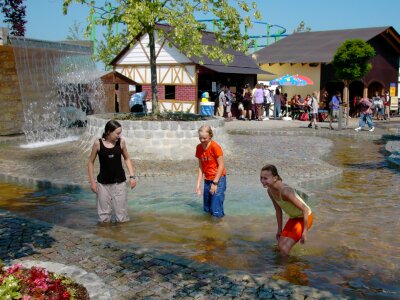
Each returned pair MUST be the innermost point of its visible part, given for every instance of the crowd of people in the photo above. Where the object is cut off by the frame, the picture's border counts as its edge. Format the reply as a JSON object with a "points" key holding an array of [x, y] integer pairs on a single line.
{"points": [[262, 103]]}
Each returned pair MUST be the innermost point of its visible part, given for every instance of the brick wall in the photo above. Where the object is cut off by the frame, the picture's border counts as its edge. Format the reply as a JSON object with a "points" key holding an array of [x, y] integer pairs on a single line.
{"points": [[161, 91], [11, 113], [182, 92], [186, 92]]}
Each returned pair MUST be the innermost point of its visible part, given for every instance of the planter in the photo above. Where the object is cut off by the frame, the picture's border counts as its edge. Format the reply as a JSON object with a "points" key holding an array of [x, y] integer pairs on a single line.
{"points": [[94, 285], [154, 139]]}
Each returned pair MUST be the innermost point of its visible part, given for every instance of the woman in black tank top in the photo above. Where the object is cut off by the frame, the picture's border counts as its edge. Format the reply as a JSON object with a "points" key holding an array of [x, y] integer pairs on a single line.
{"points": [[110, 187]]}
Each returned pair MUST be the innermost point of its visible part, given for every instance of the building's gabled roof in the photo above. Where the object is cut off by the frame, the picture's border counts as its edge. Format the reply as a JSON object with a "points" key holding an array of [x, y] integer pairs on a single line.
{"points": [[241, 64], [320, 46], [114, 77]]}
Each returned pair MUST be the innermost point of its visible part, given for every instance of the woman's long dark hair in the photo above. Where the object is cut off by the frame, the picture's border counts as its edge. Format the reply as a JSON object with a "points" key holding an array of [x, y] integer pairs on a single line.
{"points": [[110, 127], [273, 170]]}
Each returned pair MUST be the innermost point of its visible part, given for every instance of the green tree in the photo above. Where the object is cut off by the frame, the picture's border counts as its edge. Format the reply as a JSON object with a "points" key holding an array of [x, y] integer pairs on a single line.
{"points": [[14, 13], [75, 32], [351, 62], [142, 16], [302, 28]]}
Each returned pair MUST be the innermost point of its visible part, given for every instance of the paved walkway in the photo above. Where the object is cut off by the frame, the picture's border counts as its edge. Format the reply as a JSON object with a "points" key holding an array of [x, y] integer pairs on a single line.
{"points": [[128, 271]]}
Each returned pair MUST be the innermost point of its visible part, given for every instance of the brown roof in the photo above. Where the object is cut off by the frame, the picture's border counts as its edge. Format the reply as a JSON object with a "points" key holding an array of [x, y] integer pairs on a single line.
{"points": [[320, 46], [114, 77], [241, 64]]}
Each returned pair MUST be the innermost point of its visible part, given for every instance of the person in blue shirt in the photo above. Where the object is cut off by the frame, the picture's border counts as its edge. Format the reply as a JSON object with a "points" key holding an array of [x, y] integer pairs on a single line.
{"points": [[334, 105], [137, 102]]}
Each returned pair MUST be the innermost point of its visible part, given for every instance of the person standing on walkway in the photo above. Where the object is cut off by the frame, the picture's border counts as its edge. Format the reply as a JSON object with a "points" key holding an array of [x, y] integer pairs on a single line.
{"points": [[377, 104], [221, 102], [228, 102], [267, 101], [314, 106], [110, 187], [259, 102], [212, 168], [386, 103], [277, 103], [247, 105], [285, 198], [334, 106], [365, 107]]}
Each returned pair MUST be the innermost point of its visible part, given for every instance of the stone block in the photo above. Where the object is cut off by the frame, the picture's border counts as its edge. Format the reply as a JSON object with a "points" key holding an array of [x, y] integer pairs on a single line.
{"points": [[145, 125], [148, 134], [173, 125], [180, 134], [191, 134], [154, 125], [139, 134], [160, 135], [165, 125]]}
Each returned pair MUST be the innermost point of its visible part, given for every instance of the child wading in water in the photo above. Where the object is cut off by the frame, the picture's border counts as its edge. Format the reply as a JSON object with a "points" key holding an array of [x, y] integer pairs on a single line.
{"points": [[285, 198], [211, 165], [110, 187]]}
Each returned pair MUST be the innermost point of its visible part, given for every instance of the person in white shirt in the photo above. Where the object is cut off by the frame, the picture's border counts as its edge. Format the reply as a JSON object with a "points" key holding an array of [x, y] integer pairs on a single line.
{"points": [[314, 106], [221, 102], [267, 101]]}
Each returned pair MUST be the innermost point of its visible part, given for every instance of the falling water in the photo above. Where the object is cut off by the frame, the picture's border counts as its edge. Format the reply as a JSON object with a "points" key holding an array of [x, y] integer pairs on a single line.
{"points": [[59, 86]]}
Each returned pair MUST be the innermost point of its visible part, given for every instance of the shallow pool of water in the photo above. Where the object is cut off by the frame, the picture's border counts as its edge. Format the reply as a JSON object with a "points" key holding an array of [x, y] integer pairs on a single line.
{"points": [[353, 246]]}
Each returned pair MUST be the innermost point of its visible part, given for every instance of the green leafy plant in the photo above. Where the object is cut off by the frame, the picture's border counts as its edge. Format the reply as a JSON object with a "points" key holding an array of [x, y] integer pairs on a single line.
{"points": [[164, 116], [351, 61], [14, 14], [36, 283]]}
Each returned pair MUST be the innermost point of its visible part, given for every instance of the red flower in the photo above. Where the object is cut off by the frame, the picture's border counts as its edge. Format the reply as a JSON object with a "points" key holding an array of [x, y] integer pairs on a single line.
{"points": [[37, 283]]}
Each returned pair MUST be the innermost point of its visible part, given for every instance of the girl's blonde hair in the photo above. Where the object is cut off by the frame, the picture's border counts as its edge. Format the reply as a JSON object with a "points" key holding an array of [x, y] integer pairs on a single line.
{"points": [[206, 128]]}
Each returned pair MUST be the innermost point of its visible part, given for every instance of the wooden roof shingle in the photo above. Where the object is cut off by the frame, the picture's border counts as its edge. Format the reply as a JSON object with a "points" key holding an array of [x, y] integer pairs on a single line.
{"points": [[320, 46]]}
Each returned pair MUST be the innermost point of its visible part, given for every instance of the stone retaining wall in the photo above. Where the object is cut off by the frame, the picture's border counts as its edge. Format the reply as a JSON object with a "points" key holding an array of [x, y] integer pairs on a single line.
{"points": [[11, 113], [159, 140]]}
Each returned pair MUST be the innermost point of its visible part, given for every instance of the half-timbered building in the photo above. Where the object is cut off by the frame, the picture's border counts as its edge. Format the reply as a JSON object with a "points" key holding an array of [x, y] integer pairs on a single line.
{"points": [[182, 79]]}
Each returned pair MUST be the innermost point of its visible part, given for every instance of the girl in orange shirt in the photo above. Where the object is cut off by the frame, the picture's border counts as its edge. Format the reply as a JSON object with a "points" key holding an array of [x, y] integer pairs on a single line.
{"points": [[212, 167]]}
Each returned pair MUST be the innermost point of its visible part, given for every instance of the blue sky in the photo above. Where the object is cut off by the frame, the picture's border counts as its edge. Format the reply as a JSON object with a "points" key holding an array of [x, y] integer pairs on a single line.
{"points": [[46, 21]]}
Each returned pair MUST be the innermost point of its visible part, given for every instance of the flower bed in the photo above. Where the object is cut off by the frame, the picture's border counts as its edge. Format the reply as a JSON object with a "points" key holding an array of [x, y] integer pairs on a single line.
{"points": [[17, 282]]}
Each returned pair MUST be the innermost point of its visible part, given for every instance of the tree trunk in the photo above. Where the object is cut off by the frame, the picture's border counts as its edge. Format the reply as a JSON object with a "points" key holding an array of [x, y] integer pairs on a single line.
{"points": [[346, 101], [153, 71]]}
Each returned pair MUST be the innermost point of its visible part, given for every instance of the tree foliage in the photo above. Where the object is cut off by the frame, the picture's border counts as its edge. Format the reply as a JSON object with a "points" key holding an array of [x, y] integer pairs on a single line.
{"points": [[14, 13], [139, 17], [75, 32], [302, 28], [351, 59]]}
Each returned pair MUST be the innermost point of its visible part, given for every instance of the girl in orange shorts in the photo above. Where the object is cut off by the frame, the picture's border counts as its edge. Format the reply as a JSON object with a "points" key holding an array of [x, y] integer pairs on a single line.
{"points": [[286, 199]]}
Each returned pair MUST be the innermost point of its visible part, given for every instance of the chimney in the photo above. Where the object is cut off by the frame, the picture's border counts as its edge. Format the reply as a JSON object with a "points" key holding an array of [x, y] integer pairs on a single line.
{"points": [[3, 35]]}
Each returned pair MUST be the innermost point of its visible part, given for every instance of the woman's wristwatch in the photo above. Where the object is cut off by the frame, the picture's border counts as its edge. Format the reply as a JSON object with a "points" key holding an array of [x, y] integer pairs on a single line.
{"points": [[215, 183], [132, 177]]}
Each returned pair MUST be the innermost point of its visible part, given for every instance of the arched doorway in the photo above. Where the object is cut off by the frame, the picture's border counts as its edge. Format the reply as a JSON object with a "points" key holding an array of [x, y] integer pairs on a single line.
{"points": [[334, 86], [356, 90], [373, 87]]}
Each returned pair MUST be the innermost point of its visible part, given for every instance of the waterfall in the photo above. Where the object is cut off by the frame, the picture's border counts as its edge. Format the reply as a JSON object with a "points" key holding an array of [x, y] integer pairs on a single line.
{"points": [[59, 86]]}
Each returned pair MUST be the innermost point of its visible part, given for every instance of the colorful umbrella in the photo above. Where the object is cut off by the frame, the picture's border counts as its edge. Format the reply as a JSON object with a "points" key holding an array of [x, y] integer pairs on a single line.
{"points": [[288, 80], [305, 78]]}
